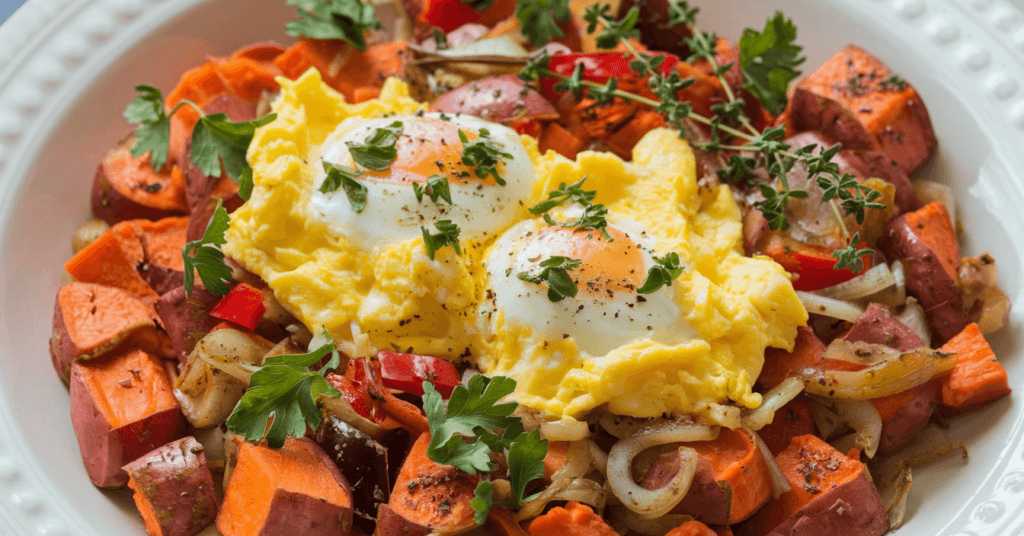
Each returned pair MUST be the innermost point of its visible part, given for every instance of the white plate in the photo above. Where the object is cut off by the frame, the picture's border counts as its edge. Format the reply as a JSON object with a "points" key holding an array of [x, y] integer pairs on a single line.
{"points": [[67, 68]]}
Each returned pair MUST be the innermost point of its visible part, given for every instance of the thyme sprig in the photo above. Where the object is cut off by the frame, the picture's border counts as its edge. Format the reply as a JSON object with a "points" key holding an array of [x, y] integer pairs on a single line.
{"points": [[757, 148]]}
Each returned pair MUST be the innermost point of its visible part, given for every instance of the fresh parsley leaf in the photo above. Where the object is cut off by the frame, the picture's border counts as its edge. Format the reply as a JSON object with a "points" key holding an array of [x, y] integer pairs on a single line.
{"points": [[769, 59], [661, 274], [448, 235], [245, 184], [347, 20], [472, 411], [216, 140], [539, 19], [344, 177], [379, 151], [555, 272], [283, 393], [483, 154], [153, 134], [437, 188], [205, 257], [525, 463], [481, 503], [571, 193]]}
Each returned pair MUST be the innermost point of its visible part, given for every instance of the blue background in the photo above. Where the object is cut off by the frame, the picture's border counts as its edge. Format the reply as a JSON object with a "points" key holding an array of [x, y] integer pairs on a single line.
{"points": [[7, 7]]}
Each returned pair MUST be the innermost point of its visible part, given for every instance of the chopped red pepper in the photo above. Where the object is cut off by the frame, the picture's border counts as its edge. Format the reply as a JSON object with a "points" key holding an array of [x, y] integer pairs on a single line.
{"points": [[451, 14], [355, 391], [596, 68], [407, 372], [818, 272], [243, 306]]}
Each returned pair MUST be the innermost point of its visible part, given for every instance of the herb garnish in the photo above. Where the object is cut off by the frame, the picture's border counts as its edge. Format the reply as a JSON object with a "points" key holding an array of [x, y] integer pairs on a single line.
{"points": [[345, 177], [379, 151], [769, 58], [661, 274], [437, 188], [216, 141], [347, 20], [539, 19], [283, 393], [893, 83], [483, 154], [205, 257], [851, 257], [448, 235], [472, 426], [555, 272], [593, 217]]}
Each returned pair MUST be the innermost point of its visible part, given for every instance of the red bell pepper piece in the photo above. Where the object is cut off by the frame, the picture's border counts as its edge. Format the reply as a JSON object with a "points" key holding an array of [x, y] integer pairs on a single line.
{"points": [[596, 68], [243, 306], [818, 272], [356, 392], [407, 372], [451, 14]]}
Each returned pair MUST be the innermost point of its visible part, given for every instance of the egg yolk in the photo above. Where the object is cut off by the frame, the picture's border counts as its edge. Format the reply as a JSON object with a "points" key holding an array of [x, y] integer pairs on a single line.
{"points": [[429, 146], [605, 267]]}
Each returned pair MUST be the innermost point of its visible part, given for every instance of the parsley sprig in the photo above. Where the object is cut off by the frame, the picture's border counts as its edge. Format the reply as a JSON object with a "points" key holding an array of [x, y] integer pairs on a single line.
{"points": [[539, 19], [555, 272], [347, 20], [217, 142], [474, 425], [344, 177], [483, 154], [379, 150], [447, 235], [661, 274], [768, 63], [204, 256], [283, 394]]}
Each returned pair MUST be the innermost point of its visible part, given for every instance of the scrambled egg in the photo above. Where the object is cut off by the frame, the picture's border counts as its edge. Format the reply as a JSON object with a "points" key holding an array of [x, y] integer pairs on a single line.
{"points": [[725, 308]]}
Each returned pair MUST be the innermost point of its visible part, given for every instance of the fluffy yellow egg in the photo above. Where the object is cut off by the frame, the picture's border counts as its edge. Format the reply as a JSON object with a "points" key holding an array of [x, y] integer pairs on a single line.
{"points": [[335, 266], [699, 343]]}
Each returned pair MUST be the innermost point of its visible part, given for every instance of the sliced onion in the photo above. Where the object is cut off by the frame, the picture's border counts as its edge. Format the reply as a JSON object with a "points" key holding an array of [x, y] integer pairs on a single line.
{"points": [[863, 417], [503, 45], [599, 457], [888, 377], [773, 401], [859, 352], [779, 483], [995, 310], [723, 415], [896, 500], [577, 463], [621, 425], [914, 318], [873, 280], [929, 191], [581, 490], [825, 420], [657, 502], [830, 307], [659, 526], [567, 429], [899, 274]]}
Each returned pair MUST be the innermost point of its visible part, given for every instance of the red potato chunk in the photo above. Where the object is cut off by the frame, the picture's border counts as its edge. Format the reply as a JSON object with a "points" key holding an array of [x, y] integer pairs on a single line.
{"points": [[363, 461], [174, 489], [121, 408], [500, 99], [855, 99], [293, 490]]}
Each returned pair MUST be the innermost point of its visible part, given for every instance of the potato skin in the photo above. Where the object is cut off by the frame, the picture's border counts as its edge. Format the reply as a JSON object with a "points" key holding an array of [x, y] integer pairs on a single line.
{"points": [[104, 449], [362, 460], [707, 500], [852, 509], [110, 204], [187, 318], [499, 99], [176, 483], [390, 523]]}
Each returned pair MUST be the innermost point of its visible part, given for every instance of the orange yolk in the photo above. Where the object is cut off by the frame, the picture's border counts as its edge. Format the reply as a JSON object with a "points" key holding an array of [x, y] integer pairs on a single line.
{"points": [[429, 146], [605, 266]]}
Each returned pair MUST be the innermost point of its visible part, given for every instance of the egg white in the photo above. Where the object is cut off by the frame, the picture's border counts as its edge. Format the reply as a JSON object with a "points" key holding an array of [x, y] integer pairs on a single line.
{"points": [[392, 213]]}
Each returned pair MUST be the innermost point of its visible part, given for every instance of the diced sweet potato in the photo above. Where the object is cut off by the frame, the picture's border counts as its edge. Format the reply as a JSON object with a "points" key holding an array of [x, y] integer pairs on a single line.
{"points": [[121, 408], [791, 420], [112, 260], [363, 461], [90, 321], [161, 242], [829, 494], [293, 490], [691, 528], [342, 67], [126, 187], [977, 377], [855, 99], [780, 364], [174, 489], [574, 519], [429, 495], [740, 482], [924, 240], [187, 318], [877, 325]]}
